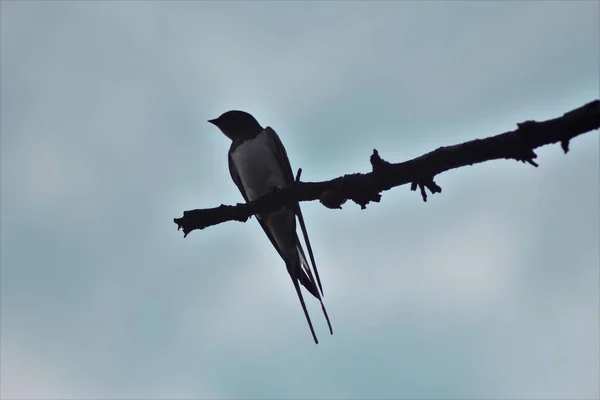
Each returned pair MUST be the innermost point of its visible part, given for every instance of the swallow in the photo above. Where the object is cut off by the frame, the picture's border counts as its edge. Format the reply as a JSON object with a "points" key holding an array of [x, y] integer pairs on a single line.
{"points": [[258, 163]]}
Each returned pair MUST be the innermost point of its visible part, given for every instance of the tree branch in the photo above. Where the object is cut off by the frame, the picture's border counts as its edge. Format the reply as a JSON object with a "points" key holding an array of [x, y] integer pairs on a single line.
{"points": [[419, 172]]}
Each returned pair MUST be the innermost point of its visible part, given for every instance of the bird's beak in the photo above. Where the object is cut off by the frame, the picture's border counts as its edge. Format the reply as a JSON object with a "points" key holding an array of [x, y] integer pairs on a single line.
{"points": [[213, 121]]}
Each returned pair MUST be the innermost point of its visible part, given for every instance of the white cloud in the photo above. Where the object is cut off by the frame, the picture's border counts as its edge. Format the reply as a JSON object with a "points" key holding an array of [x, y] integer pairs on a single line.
{"points": [[471, 264], [556, 345], [460, 268], [26, 376], [256, 309], [50, 179], [29, 376]]}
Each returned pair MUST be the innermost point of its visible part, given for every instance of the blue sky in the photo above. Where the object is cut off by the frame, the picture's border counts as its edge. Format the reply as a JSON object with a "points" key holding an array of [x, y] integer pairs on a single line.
{"points": [[489, 290]]}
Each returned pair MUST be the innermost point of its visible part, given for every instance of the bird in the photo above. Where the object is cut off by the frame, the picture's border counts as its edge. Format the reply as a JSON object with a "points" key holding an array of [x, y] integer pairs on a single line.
{"points": [[258, 163]]}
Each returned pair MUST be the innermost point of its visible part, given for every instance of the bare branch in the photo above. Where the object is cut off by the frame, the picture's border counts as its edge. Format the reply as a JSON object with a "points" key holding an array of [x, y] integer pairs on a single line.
{"points": [[419, 172]]}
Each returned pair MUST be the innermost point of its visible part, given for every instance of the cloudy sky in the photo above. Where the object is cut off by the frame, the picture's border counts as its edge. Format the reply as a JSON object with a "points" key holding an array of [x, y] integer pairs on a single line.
{"points": [[489, 290]]}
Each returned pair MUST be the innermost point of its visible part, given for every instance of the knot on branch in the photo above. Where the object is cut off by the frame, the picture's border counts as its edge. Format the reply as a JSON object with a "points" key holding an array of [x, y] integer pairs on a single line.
{"points": [[382, 171], [332, 199], [582, 117], [360, 189], [527, 157], [379, 165], [428, 183], [524, 152]]}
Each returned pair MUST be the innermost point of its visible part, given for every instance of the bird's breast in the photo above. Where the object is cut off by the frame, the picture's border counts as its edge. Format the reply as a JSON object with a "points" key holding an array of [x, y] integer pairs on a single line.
{"points": [[258, 166]]}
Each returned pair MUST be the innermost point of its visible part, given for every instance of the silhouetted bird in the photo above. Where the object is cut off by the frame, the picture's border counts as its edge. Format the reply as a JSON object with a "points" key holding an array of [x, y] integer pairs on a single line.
{"points": [[258, 162]]}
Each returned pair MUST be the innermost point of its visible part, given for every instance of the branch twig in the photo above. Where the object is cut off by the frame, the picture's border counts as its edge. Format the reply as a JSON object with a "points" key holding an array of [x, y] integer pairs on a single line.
{"points": [[419, 172]]}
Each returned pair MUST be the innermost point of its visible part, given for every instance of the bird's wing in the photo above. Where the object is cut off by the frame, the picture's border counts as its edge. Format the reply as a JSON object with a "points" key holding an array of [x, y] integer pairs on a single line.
{"points": [[238, 182], [308, 281], [295, 274], [283, 159]]}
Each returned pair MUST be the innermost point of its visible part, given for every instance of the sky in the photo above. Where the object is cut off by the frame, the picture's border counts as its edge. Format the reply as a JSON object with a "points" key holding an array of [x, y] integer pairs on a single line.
{"points": [[489, 290]]}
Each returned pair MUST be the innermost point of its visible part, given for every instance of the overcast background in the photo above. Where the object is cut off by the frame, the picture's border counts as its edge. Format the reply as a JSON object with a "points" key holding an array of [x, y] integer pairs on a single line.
{"points": [[489, 290]]}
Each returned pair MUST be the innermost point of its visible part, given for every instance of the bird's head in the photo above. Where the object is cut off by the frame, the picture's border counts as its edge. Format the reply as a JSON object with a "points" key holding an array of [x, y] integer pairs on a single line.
{"points": [[237, 124]]}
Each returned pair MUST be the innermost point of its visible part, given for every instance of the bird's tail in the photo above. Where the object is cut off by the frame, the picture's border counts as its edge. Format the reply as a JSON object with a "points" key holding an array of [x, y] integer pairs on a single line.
{"points": [[297, 268], [301, 298], [308, 281]]}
